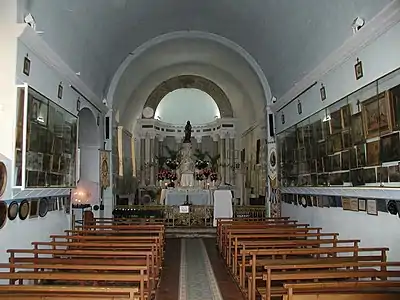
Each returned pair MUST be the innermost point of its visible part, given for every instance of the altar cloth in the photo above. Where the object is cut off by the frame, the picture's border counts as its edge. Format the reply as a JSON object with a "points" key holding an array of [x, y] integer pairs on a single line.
{"points": [[195, 196]]}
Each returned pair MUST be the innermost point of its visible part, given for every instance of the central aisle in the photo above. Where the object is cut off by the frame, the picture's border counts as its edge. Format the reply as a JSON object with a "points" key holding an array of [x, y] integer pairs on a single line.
{"points": [[196, 278], [194, 270]]}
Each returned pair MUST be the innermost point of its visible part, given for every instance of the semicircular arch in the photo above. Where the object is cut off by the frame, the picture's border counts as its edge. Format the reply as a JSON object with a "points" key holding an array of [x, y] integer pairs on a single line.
{"points": [[194, 82]]}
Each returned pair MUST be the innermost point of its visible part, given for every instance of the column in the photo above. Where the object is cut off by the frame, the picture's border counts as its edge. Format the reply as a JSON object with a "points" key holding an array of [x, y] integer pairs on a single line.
{"points": [[160, 147], [142, 161], [222, 159], [232, 160], [178, 141], [228, 155], [215, 145], [152, 160], [147, 159], [198, 140]]}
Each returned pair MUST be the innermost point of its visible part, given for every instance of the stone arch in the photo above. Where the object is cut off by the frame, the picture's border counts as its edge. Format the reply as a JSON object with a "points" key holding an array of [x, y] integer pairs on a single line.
{"points": [[195, 82]]}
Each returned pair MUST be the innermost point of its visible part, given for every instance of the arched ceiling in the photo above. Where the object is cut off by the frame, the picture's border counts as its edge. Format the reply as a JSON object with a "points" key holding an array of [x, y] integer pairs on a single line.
{"points": [[288, 38], [191, 81], [174, 56]]}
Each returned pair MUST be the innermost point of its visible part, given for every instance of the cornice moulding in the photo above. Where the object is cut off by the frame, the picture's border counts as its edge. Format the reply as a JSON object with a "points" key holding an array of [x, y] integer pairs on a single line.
{"points": [[380, 24], [41, 49]]}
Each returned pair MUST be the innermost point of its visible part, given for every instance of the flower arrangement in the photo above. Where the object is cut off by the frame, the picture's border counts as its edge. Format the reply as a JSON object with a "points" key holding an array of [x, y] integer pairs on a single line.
{"points": [[172, 176], [167, 175], [201, 164], [213, 176], [206, 173], [199, 176], [162, 175], [172, 164]]}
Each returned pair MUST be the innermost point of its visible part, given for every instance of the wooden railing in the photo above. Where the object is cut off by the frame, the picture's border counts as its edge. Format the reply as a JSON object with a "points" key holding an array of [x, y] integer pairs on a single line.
{"points": [[171, 216]]}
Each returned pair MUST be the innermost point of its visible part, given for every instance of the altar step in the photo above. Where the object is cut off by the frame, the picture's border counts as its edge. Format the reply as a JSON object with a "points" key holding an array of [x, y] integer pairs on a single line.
{"points": [[191, 232]]}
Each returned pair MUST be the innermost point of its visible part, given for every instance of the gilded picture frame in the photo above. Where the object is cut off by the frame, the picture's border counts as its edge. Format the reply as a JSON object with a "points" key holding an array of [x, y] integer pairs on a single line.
{"points": [[357, 128], [390, 147], [377, 118], [373, 157], [336, 122]]}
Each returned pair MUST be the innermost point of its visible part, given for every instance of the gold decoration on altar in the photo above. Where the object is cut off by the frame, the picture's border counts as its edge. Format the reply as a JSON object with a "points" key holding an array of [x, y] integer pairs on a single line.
{"points": [[104, 168]]}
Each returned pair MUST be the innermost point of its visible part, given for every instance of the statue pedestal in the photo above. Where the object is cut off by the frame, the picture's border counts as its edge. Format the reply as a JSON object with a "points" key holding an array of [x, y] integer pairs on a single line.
{"points": [[186, 168], [187, 180]]}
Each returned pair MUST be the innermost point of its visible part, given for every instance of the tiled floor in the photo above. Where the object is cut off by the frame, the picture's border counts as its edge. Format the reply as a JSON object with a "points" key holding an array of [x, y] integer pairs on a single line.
{"points": [[227, 286], [169, 285], [200, 270]]}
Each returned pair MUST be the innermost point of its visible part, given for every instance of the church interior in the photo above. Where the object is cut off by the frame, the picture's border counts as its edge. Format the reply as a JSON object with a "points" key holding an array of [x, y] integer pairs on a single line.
{"points": [[188, 150]]}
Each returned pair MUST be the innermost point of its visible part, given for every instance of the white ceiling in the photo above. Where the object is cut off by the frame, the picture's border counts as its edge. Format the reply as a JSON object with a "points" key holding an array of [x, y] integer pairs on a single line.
{"points": [[288, 38]]}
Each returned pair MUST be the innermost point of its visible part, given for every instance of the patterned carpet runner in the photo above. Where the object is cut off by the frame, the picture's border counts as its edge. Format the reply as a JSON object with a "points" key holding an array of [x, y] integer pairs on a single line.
{"points": [[196, 278]]}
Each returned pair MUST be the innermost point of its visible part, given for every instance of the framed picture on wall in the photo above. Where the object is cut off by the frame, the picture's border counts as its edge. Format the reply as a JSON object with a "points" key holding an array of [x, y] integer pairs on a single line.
{"points": [[371, 207], [358, 69], [377, 115], [362, 205]]}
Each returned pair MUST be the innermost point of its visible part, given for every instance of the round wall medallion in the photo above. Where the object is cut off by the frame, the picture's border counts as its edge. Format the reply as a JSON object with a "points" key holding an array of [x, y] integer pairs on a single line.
{"points": [[148, 112], [3, 214], [272, 161], [13, 210], [3, 178], [23, 210], [392, 207], [43, 207]]}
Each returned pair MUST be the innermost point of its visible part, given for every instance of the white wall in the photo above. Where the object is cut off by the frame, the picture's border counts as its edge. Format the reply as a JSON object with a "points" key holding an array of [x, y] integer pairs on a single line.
{"points": [[20, 234], [378, 58], [373, 231], [45, 78]]}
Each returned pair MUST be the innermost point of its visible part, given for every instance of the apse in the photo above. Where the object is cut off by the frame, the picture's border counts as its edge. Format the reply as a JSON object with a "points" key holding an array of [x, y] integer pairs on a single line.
{"points": [[181, 105]]}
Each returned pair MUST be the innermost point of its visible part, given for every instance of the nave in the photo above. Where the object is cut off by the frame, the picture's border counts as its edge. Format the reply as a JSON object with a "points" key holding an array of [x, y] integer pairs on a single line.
{"points": [[270, 258]]}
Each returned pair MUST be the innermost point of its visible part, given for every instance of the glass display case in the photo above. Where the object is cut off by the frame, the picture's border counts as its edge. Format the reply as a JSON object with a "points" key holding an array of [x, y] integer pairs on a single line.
{"points": [[354, 142], [46, 142]]}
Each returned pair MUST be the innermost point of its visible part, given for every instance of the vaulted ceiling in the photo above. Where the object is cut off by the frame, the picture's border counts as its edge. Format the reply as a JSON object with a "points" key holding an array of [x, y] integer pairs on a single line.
{"points": [[287, 38]]}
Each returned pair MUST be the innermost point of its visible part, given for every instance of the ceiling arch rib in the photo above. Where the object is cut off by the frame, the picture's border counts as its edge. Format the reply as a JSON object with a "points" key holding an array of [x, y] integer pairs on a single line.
{"points": [[237, 93], [195, 82], [189, 56]]}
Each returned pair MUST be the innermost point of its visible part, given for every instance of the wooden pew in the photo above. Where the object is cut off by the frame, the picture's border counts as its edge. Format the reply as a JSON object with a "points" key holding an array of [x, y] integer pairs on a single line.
{"points": [[235, 234], [120, 239], [148, 256], [62, 292], [245, 249], [318, 270], [153, 247], [222, 224], [21, 276], [225, 223], [270, 256], [234, 240], [343, 290]]}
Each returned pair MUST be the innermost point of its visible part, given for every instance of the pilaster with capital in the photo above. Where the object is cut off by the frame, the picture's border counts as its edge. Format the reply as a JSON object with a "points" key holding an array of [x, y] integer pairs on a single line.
{"points": [[232, 161], [222, 148], [228, 154], [198, 141], [152, 160], [142, 160]]}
